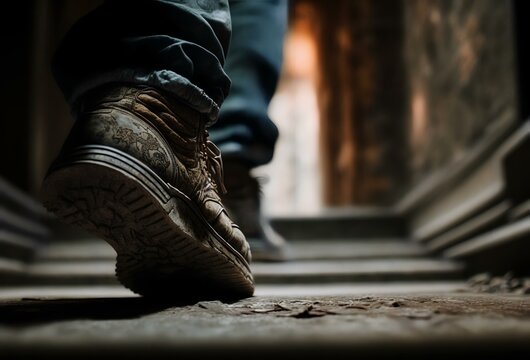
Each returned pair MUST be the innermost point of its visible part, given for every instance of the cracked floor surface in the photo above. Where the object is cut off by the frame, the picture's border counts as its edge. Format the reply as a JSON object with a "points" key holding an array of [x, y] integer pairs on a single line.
{"points": [[348, 315], [457, 324]]}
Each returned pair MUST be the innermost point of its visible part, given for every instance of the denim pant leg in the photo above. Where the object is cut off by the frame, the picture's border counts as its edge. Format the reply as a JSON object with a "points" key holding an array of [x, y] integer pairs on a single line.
{"points": [[244, 130], [178, 46]]}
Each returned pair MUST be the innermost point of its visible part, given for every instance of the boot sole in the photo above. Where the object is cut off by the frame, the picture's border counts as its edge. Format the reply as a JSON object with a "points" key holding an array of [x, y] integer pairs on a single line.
{"points": [[164, 246]]}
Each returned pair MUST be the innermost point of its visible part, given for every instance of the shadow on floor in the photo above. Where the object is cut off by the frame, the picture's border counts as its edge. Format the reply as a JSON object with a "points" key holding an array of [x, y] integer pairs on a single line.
{"points": [[30, 312]]}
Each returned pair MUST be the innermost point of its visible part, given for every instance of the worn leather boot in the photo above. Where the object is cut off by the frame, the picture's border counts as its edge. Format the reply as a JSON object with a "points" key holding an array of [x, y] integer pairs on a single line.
{"points": [[138, 170], [243, 202]]}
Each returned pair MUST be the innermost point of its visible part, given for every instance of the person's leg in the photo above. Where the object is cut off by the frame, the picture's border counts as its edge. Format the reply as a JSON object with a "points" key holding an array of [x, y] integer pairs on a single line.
{"points": [[244, 130], [145, 80], [177, 46], [245, 133]]}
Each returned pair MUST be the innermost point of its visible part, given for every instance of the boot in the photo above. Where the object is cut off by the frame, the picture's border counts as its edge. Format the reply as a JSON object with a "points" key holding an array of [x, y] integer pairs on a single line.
{"points": [[243, 202], [138, 170]]}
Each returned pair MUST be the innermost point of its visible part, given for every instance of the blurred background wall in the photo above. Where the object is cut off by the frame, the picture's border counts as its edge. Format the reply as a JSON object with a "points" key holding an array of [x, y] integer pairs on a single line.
{"points": [[407, 87], [36, 119], [376, 96]]}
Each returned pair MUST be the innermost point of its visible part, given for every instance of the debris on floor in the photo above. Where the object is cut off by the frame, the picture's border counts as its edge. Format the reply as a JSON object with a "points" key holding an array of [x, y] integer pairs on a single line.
{"points": [[508, 283]]}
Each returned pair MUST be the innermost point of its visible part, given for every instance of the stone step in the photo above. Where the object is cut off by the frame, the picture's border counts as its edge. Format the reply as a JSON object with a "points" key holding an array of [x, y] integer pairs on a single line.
{"points": [[90, 249], [362, 270], [92, 262], [96, 249], [352, 289], [22, 227], [11, 268], [483, 252], [22, 224], [299, 272], [287, 290], [337, 224], [358, 249], [14, 199], [17, 246], [351, 223]]}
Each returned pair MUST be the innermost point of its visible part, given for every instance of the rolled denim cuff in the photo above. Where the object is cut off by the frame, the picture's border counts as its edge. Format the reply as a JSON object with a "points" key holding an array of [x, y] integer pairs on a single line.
{"points": [[165, 80]]}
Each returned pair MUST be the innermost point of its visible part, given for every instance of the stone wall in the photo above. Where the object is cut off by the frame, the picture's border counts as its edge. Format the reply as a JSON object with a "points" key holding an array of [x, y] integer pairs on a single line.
{"points": [[407, 88], [459, 57]]}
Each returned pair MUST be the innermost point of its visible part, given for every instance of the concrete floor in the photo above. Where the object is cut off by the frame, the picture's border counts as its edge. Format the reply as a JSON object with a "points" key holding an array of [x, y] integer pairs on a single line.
{"points": [[354, 300], [99, 321]]}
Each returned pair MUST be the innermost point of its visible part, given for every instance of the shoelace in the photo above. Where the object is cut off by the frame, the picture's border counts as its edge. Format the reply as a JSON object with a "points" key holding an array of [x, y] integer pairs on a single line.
{"points": [[214, 164]]}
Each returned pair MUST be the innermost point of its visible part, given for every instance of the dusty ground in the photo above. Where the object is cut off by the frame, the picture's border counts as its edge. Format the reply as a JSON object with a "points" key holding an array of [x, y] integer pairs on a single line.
{"points": [[440, 316], [423, 325]]}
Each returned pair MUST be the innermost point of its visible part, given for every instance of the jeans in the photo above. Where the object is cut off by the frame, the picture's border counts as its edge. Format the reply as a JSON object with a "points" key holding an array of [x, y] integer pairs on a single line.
{"points": [[180, 47], [244, 130]]}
